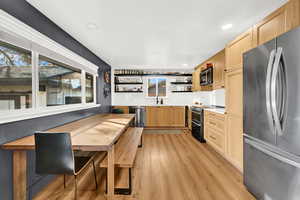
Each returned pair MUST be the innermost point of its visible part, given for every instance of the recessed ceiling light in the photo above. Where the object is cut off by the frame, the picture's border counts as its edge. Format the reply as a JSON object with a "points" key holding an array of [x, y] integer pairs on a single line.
{"points": [[92, 26], [226, 26]]}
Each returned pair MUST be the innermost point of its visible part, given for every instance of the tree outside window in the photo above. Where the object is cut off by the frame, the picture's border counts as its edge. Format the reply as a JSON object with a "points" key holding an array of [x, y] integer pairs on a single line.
{"points": [[157, 87]]}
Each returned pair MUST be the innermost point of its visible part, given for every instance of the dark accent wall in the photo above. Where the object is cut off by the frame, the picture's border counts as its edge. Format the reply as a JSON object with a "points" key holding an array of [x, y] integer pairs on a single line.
{"points": [[11, 131]]}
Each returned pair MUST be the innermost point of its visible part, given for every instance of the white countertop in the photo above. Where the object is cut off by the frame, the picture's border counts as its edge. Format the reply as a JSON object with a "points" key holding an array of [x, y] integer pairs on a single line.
{"points": [[212, 109], [217, 110]]}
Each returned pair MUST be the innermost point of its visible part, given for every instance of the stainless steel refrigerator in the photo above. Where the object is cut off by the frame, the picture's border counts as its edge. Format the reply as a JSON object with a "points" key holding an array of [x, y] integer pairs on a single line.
{"points": [[272, 118]]}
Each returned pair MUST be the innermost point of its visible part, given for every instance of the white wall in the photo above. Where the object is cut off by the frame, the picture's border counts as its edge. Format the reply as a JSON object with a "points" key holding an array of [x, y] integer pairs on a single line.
{"points": [[127, 99], [218, 97]]}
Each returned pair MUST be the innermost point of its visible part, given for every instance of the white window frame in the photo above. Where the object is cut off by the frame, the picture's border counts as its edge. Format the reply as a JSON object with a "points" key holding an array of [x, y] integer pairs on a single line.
{"points": [[28, 38], [95, 76], [156, 77]]}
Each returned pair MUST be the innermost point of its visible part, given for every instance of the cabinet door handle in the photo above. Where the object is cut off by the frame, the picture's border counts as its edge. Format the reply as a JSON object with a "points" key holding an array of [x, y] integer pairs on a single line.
{"points": [[212, 137]]}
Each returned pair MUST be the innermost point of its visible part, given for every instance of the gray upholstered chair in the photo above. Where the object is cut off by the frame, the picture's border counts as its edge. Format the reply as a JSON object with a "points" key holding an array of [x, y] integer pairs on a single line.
{"points": [[54, 155]]}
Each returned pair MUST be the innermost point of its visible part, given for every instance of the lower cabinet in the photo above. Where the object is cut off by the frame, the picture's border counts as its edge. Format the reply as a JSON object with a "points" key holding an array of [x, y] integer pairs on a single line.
{"points": [[214, 130], [165, 116], [234, 117], [224, 133], [235, 140]]}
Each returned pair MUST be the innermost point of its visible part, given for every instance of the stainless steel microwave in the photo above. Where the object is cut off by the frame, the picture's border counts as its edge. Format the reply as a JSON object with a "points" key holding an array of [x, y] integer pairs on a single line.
{"points": [[206, 76]]}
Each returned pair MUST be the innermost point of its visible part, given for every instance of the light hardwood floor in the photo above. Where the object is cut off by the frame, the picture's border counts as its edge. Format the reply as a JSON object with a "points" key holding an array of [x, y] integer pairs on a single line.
{"points": [[168, 167]]}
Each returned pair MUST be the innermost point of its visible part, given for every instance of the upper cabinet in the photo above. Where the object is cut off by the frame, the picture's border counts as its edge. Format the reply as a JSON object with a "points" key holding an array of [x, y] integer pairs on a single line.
{"points": [[219, 67], [293, 15], [280, 21], [272, 26], [218, 64], [196, 80], [235, 50]]}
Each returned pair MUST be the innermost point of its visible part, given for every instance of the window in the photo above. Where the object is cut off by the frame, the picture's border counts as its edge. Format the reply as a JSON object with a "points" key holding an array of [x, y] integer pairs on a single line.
{"points": [[157, 87], [39, 77], [59, 84], [15, 77], [89, 88]]}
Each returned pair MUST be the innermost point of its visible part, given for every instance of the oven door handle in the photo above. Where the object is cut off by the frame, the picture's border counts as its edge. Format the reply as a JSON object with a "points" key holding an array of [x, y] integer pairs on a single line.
{"points": [[196, 123], [199, 113]]}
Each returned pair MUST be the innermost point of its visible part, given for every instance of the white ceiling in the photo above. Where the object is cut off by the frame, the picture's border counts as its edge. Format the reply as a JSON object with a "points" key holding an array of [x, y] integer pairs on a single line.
{"points": [[155, 33]]}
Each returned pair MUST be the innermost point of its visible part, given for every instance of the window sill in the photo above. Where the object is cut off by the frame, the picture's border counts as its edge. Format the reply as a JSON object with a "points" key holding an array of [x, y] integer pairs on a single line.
{"points": [[24, 114]]}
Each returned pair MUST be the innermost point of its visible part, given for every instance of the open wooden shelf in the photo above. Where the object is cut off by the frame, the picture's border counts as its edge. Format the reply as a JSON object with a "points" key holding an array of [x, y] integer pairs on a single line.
{"points": [[182, 83], [161, 74], [181, 91], [128, 91]]}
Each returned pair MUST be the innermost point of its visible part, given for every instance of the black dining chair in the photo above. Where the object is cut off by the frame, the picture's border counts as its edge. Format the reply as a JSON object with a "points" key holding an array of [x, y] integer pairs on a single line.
{"points": [[54, 155]]}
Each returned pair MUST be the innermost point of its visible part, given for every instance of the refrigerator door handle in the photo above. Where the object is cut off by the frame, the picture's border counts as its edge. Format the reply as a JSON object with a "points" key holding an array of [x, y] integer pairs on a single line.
{"points": [[268, 87], [273, 155], [283, 92], [278, 72]]}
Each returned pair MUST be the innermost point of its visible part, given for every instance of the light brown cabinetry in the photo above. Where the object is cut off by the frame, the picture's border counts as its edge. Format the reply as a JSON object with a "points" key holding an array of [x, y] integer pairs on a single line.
{"points": [[234, 97], [280, 21], [218, 62], [196, 79], [190, 118], [165, 116], [293, 14], [214, 130], [219, 66], [272, 26], [235, 50], [234, 92], [234, 117], [234, 134]]}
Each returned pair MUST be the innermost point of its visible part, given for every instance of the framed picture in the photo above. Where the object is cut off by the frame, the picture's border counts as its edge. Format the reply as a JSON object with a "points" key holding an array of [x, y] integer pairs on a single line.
{"points": [[107, 77]]}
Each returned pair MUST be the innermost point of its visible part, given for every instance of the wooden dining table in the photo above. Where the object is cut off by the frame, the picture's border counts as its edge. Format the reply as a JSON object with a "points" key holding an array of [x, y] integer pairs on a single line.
{"points": [[96, 133]]}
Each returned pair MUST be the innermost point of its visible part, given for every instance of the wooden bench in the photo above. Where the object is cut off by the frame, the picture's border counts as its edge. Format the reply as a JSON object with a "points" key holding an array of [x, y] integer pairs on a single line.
{"points": [[125, 152]]}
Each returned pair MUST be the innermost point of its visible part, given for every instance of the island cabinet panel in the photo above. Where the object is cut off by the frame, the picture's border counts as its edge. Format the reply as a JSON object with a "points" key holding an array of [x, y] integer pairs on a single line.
{"points": [[165, 116]]}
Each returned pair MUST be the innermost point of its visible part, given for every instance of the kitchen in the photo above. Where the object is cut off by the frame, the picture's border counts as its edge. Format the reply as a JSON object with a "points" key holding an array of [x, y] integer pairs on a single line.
{"points": [[162, 106]]}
